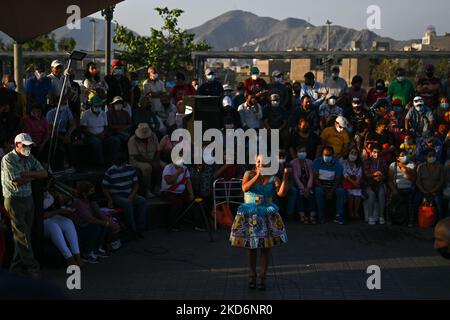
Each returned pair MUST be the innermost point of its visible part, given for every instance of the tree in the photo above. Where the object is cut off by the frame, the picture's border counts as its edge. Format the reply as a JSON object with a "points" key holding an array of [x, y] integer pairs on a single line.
{"points": [[443, 68], [384, 69], [42, 43], [168, 48], [67, 44]]}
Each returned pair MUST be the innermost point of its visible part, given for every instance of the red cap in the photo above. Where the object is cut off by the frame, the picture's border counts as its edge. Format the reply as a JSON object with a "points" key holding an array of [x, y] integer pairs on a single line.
{"points": [[116, 63]]}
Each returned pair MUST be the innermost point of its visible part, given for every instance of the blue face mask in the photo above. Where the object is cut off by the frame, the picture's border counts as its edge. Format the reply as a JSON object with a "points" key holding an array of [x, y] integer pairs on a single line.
{"points": [[444, 106], [302, 155], [118, 72], [404, 159], [398, 109], [327, 159]]}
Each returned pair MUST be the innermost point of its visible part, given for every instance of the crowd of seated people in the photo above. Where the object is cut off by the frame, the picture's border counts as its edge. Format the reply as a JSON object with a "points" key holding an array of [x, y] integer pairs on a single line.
{"points": [[372, 155]]}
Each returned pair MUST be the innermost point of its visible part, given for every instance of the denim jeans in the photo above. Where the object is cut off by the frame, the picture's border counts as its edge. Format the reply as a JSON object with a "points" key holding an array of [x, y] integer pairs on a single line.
{"points": [[96, 149], [322, 202], [91, 237], [306, 205], [129, 211], [292, 202]]}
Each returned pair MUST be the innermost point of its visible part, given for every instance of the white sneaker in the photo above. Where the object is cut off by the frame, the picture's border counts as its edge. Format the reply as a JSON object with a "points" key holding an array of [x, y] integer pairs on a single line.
{"points": [[382, 221], [116, 245], [372, 221]]}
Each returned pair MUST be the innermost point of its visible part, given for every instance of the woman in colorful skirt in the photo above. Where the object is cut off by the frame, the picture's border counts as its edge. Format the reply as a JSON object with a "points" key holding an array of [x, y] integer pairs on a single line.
{"points": [[258, 225]]}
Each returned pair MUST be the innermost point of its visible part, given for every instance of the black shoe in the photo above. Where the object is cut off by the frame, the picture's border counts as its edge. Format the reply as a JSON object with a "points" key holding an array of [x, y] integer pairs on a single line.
{"points": [[262, 285]]}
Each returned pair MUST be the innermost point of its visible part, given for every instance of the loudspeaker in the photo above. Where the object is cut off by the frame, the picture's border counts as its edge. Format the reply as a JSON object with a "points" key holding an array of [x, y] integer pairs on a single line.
{"points": [[207, 109]]}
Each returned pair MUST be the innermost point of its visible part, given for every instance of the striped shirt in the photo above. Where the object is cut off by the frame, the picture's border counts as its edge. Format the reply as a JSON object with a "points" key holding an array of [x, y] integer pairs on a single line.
{"points": [[120, 181], [12, 167]]}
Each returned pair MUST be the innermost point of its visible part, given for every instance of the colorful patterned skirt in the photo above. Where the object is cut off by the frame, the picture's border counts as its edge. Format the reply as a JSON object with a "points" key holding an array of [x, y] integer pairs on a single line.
{"points": [[258, 226]]}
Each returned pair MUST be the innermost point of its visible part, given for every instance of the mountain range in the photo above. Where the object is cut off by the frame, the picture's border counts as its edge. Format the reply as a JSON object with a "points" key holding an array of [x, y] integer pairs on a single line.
{"points": [[244, 31], [240, 30]]}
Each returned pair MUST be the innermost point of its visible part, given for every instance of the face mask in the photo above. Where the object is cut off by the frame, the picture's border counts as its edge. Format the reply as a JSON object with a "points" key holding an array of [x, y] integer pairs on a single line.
{"points": [[352, 157], [48, 200], [210, 77], [97, 109], [179, 162], [419, 108], [282, 161], [118, 72], [279, 79], [26, 151], [398, 109], [118, 107], [400, 78], [255, 76], [36, 115], [339, 129], [444, 252], [155, 76], [444, 106], [332, 102], [404, 159], [431, 160], [39, 75], [302, 155], [335, 75], [229, 126], [275, 104], [11, 86], [327, 159]]}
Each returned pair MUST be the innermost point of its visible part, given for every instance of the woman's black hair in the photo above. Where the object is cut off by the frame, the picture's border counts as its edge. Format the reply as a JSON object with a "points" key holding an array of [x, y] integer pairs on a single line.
{"points": [[88, 75], [399, 152]]}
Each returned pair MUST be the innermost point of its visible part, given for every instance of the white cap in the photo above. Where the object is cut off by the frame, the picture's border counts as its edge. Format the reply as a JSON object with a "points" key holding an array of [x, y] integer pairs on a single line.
{"points": [[418, 101], [56, 63], [342, 122], [227, 102], [24, 138], [227, 87]]}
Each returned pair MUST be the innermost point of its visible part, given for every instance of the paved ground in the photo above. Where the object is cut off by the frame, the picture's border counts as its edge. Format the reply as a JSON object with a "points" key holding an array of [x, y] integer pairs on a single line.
{"points": [[319, 262]]}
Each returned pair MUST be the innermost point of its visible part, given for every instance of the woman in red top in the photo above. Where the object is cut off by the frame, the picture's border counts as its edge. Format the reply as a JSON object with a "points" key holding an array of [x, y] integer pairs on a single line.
{"points": [[181, 89], [36, 125]]}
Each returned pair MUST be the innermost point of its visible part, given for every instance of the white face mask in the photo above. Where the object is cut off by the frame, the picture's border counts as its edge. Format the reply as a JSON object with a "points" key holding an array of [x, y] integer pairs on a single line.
{"points": [[48, 200], [352, 157], [282, 161], [255, 76], [278, 79], [26, 152], [339, 129], [400, 79], [211, 77], [11, 86], [332, 102]]}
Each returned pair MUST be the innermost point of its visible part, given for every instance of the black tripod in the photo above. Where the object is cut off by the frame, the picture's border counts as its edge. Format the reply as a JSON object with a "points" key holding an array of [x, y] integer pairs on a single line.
{"points": [[199, 203]]}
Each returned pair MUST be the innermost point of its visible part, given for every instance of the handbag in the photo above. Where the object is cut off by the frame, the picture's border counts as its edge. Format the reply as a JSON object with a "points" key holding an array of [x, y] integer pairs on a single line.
{"points": [[427, 213], [224, 216]]}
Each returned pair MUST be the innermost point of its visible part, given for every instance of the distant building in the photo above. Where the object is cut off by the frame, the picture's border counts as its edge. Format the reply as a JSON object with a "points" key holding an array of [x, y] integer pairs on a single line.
{"points": [[431, 42]]}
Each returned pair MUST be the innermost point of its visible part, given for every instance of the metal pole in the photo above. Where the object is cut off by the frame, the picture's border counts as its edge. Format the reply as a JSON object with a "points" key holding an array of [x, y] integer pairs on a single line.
{"points": [[18, 66], [108, 14], [93, 35], [53, 140]]}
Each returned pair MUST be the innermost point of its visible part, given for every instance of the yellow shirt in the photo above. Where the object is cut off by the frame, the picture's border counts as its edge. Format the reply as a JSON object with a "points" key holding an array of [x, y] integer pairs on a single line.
{"points": [[335, 139], [411, 149]]}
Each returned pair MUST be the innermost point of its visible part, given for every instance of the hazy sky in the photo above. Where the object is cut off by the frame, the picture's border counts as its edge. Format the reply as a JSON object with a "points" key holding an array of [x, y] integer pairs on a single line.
{"points": [[400, 19]]}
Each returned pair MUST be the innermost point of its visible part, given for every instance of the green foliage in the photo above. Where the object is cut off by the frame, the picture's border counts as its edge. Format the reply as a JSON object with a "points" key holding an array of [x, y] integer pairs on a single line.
{"points": [[443, 68], [383, 69], [66, 44], [168, 48], [44, 42]]}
